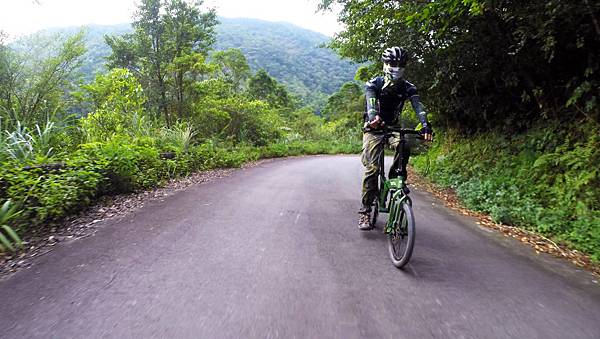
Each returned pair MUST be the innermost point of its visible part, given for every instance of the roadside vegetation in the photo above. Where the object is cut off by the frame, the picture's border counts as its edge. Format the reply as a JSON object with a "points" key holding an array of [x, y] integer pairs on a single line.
{"points": [[512, 89], [166, 107]]}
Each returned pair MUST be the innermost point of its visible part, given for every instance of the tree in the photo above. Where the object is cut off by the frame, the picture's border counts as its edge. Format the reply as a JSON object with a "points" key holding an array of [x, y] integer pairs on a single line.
{"points": [[118, 101], [349, 99], [233, 67], [33, 87], [262, 87], [187, 70], [189, 33], [484, 64], [164, 33]]}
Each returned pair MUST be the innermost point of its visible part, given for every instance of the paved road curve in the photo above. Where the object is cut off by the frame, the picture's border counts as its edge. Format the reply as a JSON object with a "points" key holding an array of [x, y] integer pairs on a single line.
{"points": [[274, 252]]}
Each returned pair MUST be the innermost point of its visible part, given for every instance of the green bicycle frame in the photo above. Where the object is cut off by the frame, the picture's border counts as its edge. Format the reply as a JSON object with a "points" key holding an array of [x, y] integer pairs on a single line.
{"points": [[392, 188], [389, 186]]}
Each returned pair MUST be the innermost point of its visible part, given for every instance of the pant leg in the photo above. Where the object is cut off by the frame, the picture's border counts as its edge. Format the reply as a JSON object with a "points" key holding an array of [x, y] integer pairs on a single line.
{"points": [[371, 153]]}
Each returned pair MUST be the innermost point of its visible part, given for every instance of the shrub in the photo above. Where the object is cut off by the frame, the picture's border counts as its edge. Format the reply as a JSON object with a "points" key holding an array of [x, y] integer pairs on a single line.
{"points": [[545, 180], [118, 102], [126, 167], [48, 195]]}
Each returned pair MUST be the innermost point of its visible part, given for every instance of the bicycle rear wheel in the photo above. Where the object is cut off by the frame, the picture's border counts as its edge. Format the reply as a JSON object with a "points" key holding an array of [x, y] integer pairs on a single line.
{"points": [[401, 240]]}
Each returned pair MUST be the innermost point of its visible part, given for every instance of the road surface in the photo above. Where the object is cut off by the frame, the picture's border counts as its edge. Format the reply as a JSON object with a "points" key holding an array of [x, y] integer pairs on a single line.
{"points": [[274, 251]]}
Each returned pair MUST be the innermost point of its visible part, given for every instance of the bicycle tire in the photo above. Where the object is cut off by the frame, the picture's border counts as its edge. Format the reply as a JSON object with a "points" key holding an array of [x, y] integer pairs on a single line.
{"points": [[401, 240]]}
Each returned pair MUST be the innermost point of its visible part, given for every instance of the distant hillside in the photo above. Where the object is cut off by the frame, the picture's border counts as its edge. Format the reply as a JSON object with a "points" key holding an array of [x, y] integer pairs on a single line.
{"points": [[288, 53]]}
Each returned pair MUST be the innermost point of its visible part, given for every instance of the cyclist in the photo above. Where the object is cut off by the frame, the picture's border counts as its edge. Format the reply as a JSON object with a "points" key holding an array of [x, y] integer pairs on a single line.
{"points": [[385, 97]]}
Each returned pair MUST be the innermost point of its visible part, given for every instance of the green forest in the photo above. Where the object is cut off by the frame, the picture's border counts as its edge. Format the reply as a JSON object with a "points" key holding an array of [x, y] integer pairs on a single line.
{"points": [[166, 104], [294, 56], [511, 89]]}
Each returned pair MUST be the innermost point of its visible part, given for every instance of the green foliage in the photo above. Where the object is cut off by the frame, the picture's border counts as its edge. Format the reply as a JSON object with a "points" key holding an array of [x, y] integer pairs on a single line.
{"points": [[126, 167], [48, 195], [546, 179], [349, 99], [235, 117], [295, 148], [34, 84], [484, 64], [292, 55], [252, 122], [366, 73], [178, 138], [118, 101], [232, 67], [8, 237], [165, 32], [262, 87], [340, 123], [117, 90], [24, 145]]}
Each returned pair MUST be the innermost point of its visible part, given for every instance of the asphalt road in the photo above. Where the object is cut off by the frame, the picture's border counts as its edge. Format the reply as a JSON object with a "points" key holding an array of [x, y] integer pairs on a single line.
{"points": [[274, 252]]}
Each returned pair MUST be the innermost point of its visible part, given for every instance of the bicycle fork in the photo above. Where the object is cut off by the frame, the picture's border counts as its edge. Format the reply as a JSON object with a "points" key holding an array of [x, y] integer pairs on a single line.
{"points": [[398, 198]]}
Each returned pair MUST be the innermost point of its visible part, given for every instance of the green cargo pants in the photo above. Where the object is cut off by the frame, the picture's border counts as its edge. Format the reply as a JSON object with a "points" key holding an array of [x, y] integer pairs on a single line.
{"points": [[371, 151]]}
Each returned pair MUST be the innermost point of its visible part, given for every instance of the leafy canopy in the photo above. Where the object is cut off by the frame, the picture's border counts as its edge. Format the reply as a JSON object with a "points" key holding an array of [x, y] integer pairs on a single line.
{"points": [[482, 64]]}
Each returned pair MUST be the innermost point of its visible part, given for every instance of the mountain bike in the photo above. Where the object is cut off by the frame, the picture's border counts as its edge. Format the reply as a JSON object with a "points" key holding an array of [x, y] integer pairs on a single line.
{"points": [[393, 198]]}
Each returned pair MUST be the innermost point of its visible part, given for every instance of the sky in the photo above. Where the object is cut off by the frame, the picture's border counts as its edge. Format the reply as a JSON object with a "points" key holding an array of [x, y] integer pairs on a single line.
{"points": [[22, 17]]}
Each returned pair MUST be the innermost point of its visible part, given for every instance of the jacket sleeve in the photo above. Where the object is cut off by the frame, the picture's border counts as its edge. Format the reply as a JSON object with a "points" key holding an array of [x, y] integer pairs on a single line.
{"points": [[371, 89], [415, 101]]}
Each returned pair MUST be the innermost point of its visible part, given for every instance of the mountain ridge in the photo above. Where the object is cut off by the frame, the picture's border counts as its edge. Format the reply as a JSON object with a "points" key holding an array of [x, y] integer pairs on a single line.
{"points": [[291, 54]]}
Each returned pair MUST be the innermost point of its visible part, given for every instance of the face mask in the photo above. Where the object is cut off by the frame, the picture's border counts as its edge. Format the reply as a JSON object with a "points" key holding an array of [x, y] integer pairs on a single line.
{"points": [[393, 73]]}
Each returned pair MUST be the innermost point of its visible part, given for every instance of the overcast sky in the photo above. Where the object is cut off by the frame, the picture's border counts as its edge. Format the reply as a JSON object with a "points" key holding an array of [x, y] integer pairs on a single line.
{"points": [[20, 17]]}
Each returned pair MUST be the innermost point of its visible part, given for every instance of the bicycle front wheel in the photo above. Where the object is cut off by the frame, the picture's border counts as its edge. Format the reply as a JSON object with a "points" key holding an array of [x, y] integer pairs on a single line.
{"points": [[401, 239]]}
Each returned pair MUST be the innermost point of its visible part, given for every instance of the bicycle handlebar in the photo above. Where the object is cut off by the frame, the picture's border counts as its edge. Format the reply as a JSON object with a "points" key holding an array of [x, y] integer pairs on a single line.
{"points": [[393, 129]]}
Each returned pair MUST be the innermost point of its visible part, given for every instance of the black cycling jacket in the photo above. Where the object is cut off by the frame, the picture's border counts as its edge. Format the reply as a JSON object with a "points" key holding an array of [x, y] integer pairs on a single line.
{"points": [[391, 97]]}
